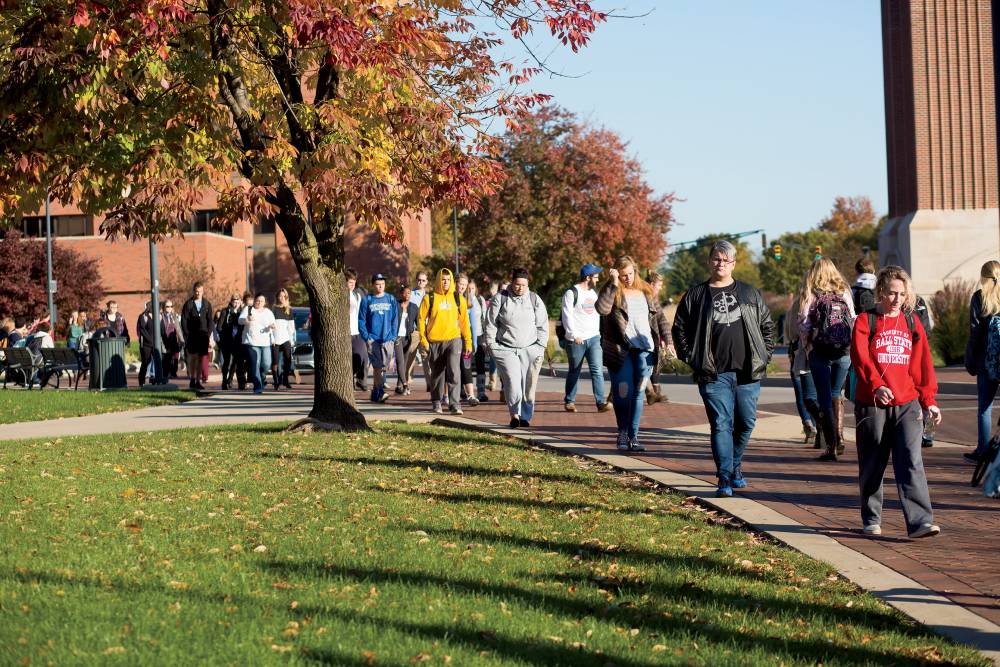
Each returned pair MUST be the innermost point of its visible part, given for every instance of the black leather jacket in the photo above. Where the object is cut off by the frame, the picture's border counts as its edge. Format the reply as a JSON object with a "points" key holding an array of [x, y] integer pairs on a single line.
{"points": [[692, 330]]}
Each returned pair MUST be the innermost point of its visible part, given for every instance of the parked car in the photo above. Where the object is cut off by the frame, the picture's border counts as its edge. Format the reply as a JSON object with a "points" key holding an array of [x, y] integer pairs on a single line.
{"points": [[303, 352]]}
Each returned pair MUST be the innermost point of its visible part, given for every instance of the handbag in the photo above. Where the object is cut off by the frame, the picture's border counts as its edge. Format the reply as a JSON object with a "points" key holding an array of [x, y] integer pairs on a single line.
{"points": [[985, 463]]}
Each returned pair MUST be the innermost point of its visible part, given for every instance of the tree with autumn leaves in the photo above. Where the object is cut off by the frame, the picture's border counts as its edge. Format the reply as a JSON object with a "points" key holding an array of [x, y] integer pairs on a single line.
{"points": [[572, 195], [316, 113]]}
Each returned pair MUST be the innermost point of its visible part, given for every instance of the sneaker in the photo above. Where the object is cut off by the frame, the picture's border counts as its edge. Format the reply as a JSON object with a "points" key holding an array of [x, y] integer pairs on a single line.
{"points": [[810, 431], [634, 446], [739, 483], [473, 401], [514, 422], [483, 398], [359, 385], [827, 456], [436, 408], [603, 407], [523, 423], [622, 443], [382, 396], [569, 406], [399, 390], [406, 391], [873, 529], [455, 410], [926, 530], [972, 457], [926, 442], [724, 490]]}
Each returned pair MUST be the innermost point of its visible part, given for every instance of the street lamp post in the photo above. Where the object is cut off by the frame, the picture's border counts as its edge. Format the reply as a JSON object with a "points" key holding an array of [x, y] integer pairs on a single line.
{"points": [[154, 289], [454, 220], [51, 287]]}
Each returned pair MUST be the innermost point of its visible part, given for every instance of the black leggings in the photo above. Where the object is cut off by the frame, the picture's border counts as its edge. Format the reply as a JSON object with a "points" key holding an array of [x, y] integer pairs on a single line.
{"points": [[281, 369]]}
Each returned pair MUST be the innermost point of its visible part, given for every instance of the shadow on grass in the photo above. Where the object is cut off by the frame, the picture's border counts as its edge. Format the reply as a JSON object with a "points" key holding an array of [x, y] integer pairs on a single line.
{"points": [[523, 650], [513, 501], [436, 466]]}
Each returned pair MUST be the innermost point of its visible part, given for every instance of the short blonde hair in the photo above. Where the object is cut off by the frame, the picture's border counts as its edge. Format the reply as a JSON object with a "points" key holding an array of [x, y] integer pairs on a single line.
{"points": [[886, 276]]}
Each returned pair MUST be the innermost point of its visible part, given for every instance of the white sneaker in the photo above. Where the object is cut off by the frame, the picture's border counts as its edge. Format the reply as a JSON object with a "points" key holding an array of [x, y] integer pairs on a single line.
{"points": [[926, 530], [873, 529]]}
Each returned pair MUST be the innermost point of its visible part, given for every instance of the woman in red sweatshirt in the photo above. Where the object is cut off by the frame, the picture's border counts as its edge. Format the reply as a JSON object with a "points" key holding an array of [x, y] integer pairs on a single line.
{"points": [[896, 380]]}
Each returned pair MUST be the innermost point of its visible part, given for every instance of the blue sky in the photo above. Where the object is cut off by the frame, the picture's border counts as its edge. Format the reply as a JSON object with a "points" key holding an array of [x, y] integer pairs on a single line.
{"points": [[756, 113]]}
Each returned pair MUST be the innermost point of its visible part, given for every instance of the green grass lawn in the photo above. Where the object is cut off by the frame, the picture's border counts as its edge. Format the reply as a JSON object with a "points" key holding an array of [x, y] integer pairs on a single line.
{"points": [[407, 545], [22, 406]]}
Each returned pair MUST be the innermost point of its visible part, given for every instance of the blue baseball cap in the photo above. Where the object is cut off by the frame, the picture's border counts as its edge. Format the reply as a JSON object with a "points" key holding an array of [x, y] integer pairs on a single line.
{"points": [[590, 270]]}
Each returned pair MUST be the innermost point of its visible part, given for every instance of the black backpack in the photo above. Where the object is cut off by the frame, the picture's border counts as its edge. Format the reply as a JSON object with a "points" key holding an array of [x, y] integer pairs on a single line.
{"points": [[864, 298], [560, 327]]}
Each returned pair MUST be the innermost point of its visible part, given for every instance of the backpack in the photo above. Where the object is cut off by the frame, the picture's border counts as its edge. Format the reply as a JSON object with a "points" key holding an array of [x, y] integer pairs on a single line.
{"points": [[864, 298], [993, 348], [832, 323], [560, 327], [505, 295]]}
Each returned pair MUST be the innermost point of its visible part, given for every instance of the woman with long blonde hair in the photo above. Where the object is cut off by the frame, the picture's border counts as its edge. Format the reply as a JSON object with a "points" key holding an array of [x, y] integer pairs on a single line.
{"points": [[633, 333], [984, 307], [826, 317], [896, 382]]}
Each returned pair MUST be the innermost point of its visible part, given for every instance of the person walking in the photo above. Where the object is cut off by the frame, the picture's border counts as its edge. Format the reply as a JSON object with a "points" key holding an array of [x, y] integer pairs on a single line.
{"points": [[863, 290], [378, 324], [144, 329], [634, 333], [230, 342], [654, 391], [477, 361], [173, 339], [407, 337], [283, 340], [724, 332], [581, 338], [443, 323], [922, 311], [896, 382], [984, 318], [359, 350], [74, 329], [517, 333], [415, 353], [198, 325], [242, 372], [116, 321], [467, 289], [802, 381], [258, 328], [826, 317]]}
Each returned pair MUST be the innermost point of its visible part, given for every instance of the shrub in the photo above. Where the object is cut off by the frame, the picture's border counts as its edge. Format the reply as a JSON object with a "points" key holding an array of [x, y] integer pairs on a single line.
{"points": [[951, 320]]}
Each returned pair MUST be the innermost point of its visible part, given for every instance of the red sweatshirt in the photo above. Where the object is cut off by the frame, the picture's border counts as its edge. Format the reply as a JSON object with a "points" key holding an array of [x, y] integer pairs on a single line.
{"points": [[893, 360]]}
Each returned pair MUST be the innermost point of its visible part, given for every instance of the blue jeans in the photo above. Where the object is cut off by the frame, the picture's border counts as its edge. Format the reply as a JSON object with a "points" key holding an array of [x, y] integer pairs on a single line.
{"points": [[627, 385], [829, 376], [590, 350], [986, 391], [260, 364], [732, 413], [805, 389]]}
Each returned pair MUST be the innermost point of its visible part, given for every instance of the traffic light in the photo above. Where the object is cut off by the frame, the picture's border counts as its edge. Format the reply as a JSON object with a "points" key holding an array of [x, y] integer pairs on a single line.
{"points": [[819, 252], [777, 252]]}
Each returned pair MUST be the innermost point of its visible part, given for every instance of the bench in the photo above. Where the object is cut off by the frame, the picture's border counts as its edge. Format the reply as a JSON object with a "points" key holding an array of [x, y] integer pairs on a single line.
{"points": [[18, 360], [55, 362]]}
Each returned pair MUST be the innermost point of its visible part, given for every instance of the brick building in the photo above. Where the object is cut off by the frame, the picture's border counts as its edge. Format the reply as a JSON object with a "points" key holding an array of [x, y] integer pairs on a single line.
{"points": [[253, 256], [941, 136]]}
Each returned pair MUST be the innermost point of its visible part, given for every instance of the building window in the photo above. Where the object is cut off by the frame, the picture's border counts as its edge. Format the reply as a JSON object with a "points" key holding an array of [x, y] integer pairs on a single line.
{"points": [[201, 221], [264, 226], [62, 225]]}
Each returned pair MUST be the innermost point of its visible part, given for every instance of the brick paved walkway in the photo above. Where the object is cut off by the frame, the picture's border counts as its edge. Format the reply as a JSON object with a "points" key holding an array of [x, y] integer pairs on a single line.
{"points": [[961, 563]]}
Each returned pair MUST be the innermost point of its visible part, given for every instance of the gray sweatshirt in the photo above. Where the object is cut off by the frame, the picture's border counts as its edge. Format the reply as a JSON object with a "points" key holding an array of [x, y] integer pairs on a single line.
{"points": [[516, 321]]}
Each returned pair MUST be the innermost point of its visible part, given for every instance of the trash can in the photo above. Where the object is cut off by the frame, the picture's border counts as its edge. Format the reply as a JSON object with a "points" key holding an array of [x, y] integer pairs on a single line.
{"points": [[107, 363]]}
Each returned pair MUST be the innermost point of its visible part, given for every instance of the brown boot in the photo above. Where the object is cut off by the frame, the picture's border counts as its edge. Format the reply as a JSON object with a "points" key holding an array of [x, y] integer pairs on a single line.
{"points": [[838, 423], [829, 431]]}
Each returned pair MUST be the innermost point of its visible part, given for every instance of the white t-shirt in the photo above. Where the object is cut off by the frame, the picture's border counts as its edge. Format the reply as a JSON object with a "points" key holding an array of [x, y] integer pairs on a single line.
{"points": [[257, 332], [355, 307], [638, 332], [582, 320]]}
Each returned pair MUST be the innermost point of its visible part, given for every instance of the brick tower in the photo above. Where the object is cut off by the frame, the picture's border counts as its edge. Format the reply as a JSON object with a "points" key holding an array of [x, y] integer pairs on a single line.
{"points": [[941, 136]]}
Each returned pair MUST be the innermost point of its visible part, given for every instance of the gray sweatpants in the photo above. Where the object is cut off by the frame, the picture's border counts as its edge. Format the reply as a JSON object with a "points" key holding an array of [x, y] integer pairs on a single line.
{"points": [[445, 361], [518, 369], [895, 431]]}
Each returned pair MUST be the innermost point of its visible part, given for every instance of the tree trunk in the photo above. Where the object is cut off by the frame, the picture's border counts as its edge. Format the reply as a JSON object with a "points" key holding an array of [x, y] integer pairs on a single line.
{"points": [[319, 255]]}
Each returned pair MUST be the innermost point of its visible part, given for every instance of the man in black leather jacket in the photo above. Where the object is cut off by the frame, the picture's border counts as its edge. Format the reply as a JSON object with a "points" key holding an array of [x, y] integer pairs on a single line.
{"points": [[723, 330]]}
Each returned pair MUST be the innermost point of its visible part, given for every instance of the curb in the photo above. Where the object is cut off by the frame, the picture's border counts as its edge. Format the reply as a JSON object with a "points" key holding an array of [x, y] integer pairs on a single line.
{"points": [[906, 595]]}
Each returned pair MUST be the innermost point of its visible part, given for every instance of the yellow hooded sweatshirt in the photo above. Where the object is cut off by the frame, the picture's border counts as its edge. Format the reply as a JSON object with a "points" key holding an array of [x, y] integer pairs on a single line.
{"points": [[447, 319]]}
